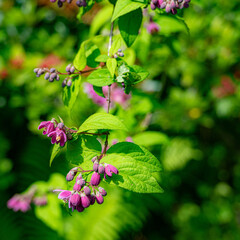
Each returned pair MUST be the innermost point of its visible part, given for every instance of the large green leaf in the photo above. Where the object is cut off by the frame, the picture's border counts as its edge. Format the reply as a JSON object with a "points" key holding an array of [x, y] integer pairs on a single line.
{"points": [[99, 121], [100, 78], [125, 6], [132, 176], [70, 93], [80, 60], [83, 149], [134, 153], [141, 72], [129, 25]]}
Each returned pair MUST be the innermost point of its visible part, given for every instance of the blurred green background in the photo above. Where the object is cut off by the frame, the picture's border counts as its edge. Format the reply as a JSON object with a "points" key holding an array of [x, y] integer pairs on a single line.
{"points": [[186, 113]]}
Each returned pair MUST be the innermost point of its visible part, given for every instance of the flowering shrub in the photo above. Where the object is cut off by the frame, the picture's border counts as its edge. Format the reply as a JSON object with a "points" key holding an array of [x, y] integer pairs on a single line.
{"points": [[110, 81]]}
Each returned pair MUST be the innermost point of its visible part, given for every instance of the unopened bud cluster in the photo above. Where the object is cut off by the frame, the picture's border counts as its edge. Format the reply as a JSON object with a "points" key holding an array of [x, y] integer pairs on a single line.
{"points": [[86, 193], [52, 74], [79, 3], [58, 132], [169, 5], [119, 53]]}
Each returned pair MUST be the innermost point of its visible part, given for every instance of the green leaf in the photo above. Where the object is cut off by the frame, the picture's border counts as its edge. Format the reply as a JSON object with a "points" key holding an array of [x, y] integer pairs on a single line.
{"points": [[83, 10], [98, 91], [129, 26], [56, 149], [118, 42], [111, 65], [100, 19], [125, 6], [150, 138], [100, 78], [135, 153], [51, 214], [83, 149], [80, 60], [141, 72], [102, 121], [102, 58], [137, 168], [70, 93], [132, 177], [91, 53]]}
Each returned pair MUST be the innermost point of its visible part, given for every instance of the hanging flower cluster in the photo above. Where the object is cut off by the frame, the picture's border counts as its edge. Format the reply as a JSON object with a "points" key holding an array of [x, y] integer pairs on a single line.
{"points": [[169, 5], [86, 193], [79, 3], [22, 202]]}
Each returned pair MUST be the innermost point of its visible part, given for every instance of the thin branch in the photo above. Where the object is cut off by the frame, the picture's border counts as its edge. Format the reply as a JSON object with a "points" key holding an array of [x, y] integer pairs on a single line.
{"points": [[109, 87]]}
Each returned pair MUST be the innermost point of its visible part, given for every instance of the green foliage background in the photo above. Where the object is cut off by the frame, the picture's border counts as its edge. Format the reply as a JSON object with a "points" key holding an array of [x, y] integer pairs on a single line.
{"points": [[189, 126]]}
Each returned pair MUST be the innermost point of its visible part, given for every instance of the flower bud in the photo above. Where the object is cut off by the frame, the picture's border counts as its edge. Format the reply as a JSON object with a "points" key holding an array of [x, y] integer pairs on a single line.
{"points": [[99, 198], [70, 176], [94, 159], [77, 186], [92, 198], [101, 169], [87, 190], [68, 67], [69, 136], [81, 182], [102, 191], [60, 125], [72, 69], [79, 208], [47, 75], [52, 70], [75, 199], [35, 70], [57, 78], [95, 166], [95, 179], [79, 177], [85, 200], [69, 83]]}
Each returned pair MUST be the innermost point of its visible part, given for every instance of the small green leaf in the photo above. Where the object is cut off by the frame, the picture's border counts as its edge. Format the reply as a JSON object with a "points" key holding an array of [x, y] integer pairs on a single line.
{"points": [[102, 58], [83, 10], [100, 78], [99, 121], [70, 93], [129, 26], [98, 91], [83, 149], [80, 60], [56, 149], [91, 53], [118, 42], [141, 72], [125, 6], [111, 65]]}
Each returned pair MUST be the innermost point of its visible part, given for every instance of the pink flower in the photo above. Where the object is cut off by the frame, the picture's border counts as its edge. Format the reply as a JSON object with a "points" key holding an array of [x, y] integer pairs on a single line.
{"points": [[117, 95], [64, 194], [19, 203], [48, 127], [99, 198], [153, 27], [58, 136]]}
